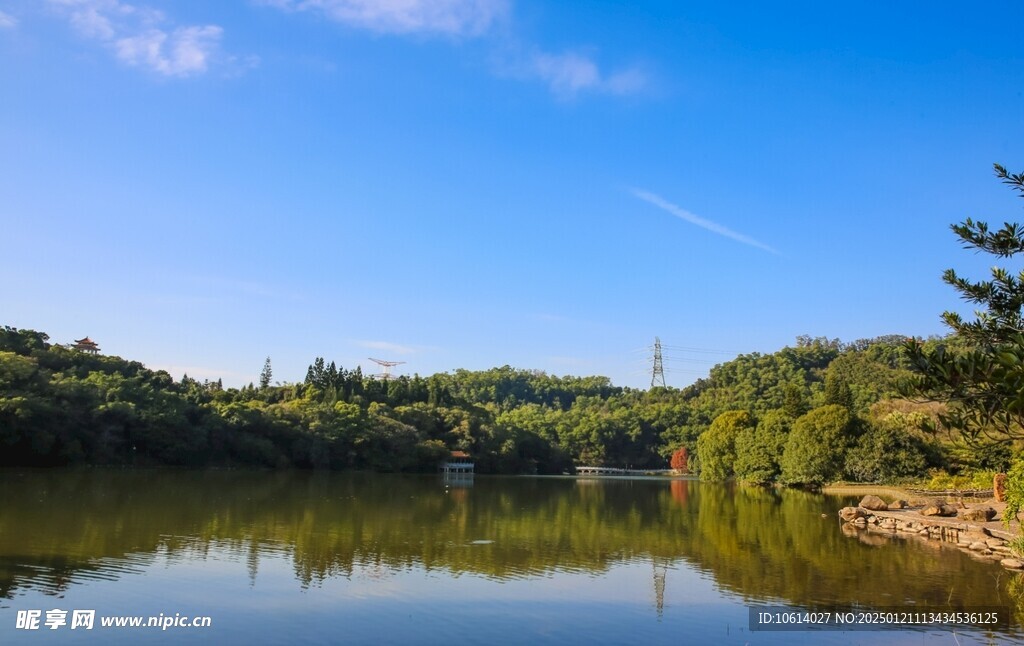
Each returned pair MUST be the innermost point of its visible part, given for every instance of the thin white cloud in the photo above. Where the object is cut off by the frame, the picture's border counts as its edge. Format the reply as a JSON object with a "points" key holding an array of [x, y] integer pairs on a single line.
{"points": [[570, 73], [141, 37], [387, 347], [567, 74], [183, 52], [7, 21], [713, 227], [445, 17]]}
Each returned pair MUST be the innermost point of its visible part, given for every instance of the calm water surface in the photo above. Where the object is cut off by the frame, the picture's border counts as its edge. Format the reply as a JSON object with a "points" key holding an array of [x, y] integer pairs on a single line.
{"points": [[355, 558]]}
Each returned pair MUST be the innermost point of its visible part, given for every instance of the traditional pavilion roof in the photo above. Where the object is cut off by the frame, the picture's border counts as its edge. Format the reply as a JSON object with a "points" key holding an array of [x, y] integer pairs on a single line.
{"points": [[459, 454], [86, 345]]}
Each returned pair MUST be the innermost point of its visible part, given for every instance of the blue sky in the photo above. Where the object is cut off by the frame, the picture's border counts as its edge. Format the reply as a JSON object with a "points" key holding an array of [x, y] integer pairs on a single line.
{"points": [[474, 183]]}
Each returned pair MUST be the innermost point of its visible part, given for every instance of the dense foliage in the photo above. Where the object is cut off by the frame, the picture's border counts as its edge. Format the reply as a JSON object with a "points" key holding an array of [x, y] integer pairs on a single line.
{"points": [[59, 406]]}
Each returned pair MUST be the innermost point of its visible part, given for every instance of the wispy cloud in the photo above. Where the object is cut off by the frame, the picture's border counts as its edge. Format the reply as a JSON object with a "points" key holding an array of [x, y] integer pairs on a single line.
{"points": [[566, 74], [7, 21], [713, 227], [183, 52], [143, 37], [387, 346], [571, 73], [444, 17]]}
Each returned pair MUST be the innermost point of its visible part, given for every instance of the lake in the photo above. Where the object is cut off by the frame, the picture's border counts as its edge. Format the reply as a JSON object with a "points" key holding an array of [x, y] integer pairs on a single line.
{"points": [[296, 557]]}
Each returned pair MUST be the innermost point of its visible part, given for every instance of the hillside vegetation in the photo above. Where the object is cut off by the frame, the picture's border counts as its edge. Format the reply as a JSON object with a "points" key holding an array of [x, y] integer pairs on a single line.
{"points": [[815, 412]]}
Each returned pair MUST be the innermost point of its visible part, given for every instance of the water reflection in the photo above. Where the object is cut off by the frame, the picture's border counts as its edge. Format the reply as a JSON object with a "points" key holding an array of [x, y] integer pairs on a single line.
{"points": [[59, 529]]}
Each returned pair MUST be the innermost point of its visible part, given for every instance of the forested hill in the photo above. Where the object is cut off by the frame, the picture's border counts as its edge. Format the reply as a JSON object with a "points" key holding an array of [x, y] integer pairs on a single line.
{"points": [[60, 406]]}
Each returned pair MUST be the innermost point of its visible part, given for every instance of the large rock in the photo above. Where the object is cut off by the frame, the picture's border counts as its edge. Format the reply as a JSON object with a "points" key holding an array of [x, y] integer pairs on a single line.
{"points": [[1013, 564], [850, 514], [874, 503], [978, 514], [939, 509], [897, 504]]}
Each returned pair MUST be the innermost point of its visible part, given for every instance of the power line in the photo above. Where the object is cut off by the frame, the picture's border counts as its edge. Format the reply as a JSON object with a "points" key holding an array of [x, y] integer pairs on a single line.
{"points": [[700, 350], [689, 360]]}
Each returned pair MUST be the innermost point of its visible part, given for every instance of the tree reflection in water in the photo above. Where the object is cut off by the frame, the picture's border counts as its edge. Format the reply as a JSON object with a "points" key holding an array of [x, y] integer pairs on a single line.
{"points": [[60, 527]]}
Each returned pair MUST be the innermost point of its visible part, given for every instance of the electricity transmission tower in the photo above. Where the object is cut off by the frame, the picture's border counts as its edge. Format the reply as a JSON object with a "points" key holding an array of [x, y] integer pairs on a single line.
{"points": [[658, 372], [386, 367]]}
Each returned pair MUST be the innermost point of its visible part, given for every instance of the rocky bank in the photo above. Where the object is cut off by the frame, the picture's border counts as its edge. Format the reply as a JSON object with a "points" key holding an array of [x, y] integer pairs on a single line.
{"points": [[975, 528]]}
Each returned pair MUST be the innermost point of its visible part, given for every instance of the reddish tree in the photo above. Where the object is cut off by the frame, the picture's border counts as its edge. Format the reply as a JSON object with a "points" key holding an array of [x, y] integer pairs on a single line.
{"points": [[680, 459]]}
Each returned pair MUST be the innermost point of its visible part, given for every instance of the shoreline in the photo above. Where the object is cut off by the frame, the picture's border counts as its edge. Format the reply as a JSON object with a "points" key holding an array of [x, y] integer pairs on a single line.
{"points": [[891, 491], [986, 540]]}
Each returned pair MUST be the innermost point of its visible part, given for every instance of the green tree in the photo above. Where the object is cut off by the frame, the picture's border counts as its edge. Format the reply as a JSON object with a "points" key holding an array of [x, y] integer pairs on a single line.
{"points": [[837, 391], [1014, 491], [759, 450], [793, 400], [265, 375], [888, 451], [816, 448], [716, 447]]}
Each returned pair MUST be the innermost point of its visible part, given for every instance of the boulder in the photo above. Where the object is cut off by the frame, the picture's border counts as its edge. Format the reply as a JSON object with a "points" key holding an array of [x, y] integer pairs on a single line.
{"points": [[977, 547], [978, 514], [850, 514], [874, 503], [1013, 564], [999, 487], [940, 509], [897, 504]]}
